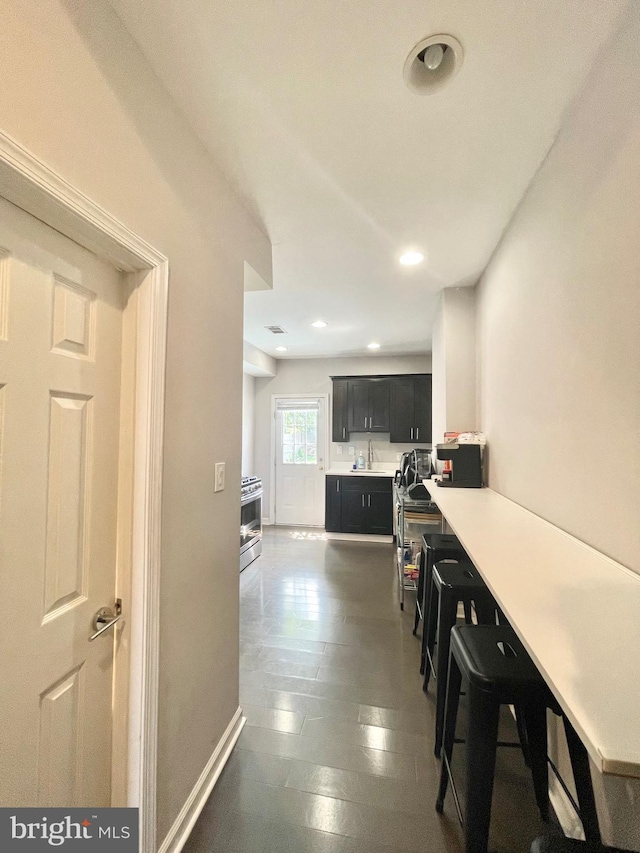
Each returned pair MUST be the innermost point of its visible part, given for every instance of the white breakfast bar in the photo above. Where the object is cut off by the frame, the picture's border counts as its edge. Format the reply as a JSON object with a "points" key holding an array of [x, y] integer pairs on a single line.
{"points": [[577, 613]]}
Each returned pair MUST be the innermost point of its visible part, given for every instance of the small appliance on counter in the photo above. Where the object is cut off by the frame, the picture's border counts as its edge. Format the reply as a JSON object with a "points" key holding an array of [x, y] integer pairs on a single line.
{"points": [[415, 466], [464, 468]]}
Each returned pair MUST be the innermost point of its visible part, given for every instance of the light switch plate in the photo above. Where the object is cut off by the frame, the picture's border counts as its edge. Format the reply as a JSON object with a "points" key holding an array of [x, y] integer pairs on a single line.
{"points": [[219, 477]]}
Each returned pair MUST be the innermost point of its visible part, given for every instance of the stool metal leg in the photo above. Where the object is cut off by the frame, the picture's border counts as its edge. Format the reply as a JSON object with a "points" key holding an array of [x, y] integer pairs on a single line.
{"points": [[454, 679], [447, 612], [430, 627], [419, 594], [535, 723], [482, 738], [584, 785], [428, 623]]}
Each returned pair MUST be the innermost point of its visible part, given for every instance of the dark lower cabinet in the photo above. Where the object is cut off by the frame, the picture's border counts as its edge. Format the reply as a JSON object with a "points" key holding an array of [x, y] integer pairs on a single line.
{"points": [[357, 504]]}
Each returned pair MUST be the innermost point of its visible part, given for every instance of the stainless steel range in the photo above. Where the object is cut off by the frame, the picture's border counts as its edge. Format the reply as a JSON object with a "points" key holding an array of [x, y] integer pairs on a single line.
{"points": [[250, 520]]}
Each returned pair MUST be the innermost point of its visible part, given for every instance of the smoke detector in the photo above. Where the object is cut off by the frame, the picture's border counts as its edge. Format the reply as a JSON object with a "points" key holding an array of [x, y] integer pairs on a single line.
{"points": [[432, 63]]}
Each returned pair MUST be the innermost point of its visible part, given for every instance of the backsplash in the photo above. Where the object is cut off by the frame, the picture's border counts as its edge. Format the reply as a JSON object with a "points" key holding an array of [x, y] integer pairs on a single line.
{"points": [[384, 451]]}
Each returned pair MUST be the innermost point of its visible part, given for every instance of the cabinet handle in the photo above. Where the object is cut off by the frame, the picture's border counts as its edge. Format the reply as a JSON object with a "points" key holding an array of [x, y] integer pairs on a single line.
{"points": [[362, 501], [338, 485], [411, 433], [344, 432], [417, 433], [369, 496], [365, 422], [370, 423]]}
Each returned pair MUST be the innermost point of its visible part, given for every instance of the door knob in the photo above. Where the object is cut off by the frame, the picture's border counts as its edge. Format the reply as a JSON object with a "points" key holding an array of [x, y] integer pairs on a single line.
{"points": [[105, 618]]}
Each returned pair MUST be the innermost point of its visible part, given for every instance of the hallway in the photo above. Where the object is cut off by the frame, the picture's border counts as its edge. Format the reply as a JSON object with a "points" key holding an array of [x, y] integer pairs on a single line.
{"points": [[336, 756]]}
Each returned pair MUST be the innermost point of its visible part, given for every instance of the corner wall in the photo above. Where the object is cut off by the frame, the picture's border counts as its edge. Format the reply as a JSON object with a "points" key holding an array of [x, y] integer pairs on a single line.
{"points": [[77, 92], [559, 321]]}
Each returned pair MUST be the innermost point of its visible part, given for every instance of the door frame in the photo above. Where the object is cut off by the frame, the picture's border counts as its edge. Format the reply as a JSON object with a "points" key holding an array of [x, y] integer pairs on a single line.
{"points": [[33, 186], [274, 440]]}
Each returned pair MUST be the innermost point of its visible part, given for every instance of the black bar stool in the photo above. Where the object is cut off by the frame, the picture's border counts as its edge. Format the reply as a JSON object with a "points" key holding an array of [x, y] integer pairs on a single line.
{"points": [[453, 584], [498, 671], [435, 547]]}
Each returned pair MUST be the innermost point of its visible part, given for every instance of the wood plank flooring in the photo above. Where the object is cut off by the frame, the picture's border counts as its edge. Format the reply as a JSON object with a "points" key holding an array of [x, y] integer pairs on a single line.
{"points": [[337, 753]]}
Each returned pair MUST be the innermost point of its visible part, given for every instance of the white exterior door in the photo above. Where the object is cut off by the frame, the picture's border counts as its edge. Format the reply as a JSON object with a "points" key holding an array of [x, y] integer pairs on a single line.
{"points": [[60, 365], [300, 447]]}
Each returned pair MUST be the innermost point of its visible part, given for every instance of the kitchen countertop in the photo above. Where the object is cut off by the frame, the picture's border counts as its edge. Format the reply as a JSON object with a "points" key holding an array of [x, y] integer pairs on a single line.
{"points": [[362, 472], [576, 611]]}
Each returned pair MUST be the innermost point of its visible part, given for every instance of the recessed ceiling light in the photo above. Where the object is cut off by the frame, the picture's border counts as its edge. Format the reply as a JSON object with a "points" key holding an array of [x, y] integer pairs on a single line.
{"points": [[373, 346], [432, 63], [410, 259], [319, 324], [281, 349]]}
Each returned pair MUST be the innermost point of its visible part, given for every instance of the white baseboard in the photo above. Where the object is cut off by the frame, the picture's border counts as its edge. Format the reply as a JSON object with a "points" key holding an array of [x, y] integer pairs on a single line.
{"points": [[566, 814], [360, 537], [190, 812]]}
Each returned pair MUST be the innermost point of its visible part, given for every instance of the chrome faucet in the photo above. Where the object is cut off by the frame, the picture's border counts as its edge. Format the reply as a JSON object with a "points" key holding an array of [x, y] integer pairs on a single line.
{"points": [[369, 455]]}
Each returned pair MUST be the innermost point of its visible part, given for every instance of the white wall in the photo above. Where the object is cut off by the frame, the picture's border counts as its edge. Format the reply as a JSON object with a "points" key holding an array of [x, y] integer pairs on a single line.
{"points": [[559, 321], [454, 362], [77, 92], [559, 344], [248, 424], [312, 376]]}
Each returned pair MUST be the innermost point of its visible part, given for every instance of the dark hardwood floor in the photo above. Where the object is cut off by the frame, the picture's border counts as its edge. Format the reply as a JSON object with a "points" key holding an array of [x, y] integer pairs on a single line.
{"points": [[337, 754]]}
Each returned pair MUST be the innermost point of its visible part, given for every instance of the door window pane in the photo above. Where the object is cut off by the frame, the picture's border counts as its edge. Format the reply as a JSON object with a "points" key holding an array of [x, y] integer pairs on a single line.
{"points": [[299, 437]]}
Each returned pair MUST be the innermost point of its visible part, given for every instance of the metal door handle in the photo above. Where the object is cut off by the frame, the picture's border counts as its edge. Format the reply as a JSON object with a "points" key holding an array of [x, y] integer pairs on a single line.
{"points": [[370, 423], [369, 502], [344, 432], [105, 618], [417, 433], [338, 484], [411, 433], [362, 501]]}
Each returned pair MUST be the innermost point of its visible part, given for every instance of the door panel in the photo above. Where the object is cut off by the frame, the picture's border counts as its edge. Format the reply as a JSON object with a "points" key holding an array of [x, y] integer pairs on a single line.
{"points": [[423, 409], [359, 406], [340, 419], [379, 402], [353, 512], [402, 420], [60, 366], [379, 517]]}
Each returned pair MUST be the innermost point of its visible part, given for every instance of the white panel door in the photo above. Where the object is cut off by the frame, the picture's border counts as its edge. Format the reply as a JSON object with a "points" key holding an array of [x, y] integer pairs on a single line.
{"points": [[300, 440], [60, 365]]}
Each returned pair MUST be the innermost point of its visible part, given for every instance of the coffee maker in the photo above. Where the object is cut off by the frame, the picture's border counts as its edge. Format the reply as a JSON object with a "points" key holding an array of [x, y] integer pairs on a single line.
{"points": [[466, 465]]}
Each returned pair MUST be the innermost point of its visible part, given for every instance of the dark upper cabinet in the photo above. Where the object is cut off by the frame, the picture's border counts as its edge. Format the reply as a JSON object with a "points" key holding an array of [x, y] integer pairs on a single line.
{"points": [[368, 405], [340, 420], [399, 405], [333, 504], [411, 409]]}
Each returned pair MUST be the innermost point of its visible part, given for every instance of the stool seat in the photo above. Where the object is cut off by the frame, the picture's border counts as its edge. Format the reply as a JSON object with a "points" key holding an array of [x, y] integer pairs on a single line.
{"points": [[494, 660], [560, 844]]}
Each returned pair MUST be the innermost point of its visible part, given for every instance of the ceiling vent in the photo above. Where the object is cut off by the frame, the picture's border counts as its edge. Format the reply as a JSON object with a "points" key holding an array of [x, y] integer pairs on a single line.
{"points": [[276, 330], [432, 63]]}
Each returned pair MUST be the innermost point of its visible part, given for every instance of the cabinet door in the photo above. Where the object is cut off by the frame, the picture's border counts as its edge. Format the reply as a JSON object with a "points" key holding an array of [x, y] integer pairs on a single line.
{"points": [[358, 420], [340, 431], [379, 513], [379, 405], [402, 418], [333, 504], [354, 512], [423, 409]]}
